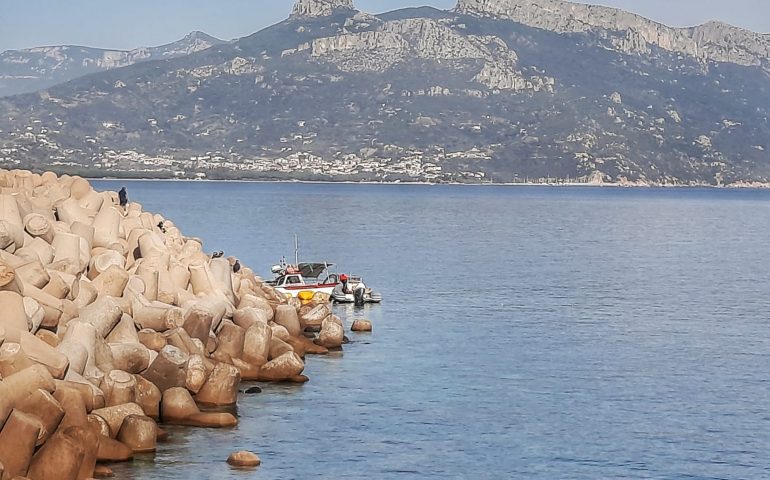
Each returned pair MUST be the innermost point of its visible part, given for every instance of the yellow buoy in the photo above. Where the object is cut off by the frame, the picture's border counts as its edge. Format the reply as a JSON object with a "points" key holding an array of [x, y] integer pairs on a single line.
{"points": [[305, 296]]}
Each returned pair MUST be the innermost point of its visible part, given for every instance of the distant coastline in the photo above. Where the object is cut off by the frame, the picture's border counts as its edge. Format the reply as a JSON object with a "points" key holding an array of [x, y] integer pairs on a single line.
{"points": [[556, 184]]}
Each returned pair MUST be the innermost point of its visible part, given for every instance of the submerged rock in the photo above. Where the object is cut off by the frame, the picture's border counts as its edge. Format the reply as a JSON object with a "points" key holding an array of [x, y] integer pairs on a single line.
{"points": [[361, 326], [244, 459]]}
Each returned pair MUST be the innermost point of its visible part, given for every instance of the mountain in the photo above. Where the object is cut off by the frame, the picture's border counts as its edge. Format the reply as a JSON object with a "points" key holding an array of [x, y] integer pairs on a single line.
{"points": [[713, 41], [24, 71], [492, 90]]}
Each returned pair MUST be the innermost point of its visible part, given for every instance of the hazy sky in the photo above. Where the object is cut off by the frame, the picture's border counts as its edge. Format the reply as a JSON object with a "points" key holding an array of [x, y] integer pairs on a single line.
{"points": [[134, 23]]}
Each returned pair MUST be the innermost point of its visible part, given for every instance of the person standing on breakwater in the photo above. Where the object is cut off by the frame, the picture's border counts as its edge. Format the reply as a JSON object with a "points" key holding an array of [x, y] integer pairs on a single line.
{"points": [[123, 196]]}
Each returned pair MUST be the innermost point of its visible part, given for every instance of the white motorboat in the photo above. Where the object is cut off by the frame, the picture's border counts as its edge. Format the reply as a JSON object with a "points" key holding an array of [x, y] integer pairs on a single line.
{"points": [[290, 279], [341, 288]]}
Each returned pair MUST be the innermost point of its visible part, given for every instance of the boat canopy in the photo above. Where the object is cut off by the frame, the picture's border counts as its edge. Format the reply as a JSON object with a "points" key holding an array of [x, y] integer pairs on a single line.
{"points": [[313, 270]]}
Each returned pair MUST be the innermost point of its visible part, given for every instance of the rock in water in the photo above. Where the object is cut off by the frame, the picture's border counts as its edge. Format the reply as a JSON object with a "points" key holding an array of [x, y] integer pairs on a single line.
{"points": [[361, 326], [243, 459]]}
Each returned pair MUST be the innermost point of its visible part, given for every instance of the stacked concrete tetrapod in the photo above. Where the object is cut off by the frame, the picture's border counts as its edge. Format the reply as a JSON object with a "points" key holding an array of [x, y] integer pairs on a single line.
{"points": [[111, 320]]}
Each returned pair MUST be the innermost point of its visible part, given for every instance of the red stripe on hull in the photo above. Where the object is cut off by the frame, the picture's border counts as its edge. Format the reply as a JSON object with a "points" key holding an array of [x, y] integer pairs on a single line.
{"points": [[306, 287]]}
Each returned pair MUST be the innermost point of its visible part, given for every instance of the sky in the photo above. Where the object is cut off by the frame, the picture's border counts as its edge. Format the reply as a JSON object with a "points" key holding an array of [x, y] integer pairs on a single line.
{"points": [[125, 25]]}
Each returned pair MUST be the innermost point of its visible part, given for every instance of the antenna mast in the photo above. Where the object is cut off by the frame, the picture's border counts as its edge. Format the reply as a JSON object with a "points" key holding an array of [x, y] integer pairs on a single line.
{"points": [[296, 250]]}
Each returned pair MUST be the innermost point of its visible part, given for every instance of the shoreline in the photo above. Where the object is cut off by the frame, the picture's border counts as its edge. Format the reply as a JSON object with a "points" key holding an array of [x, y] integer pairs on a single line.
{"points": [[741, 186]]}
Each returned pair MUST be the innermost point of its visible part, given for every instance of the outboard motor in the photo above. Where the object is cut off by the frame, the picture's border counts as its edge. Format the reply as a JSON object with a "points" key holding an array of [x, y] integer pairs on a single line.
{"points": [[358, 296]]}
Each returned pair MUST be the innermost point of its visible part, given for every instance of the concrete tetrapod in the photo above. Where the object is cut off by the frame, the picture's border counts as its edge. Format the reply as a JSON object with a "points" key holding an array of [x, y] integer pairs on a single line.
{"points": [[13, 359], [198, 322], [256, 345], [40, 352], [168, 369], [17, 443], [230, 339], [179, 338], [75, 410], [89, 442], [8, 281], [119, 388], [79, 345], [57, 286], [115, 415], [39, 226], [221, 387], [197, 373], [279, 332], [14, 315], [111, 282], [111, 450], [286, 316], [283, 368], [91, 395], [124, 331], [315, 316], [139, 433], [46, 408], [148, 396], [59, 459], [248, 316], [152, 340], [130, 357], [305, 345], [278, 347], [179, 408], [15, 389], [104, 314]]}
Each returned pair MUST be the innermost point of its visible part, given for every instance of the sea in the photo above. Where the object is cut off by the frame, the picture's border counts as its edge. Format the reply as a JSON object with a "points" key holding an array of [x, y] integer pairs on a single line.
{"points": [[525, 333]]}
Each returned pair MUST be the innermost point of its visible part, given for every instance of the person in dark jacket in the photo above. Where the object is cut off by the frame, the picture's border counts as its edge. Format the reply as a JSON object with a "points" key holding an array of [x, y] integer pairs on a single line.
{"points": [[123, 196]]}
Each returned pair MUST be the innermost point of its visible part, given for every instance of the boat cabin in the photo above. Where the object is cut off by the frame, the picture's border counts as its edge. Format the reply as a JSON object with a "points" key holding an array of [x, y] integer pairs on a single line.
{"points": [[295, 275], [289, 279]]}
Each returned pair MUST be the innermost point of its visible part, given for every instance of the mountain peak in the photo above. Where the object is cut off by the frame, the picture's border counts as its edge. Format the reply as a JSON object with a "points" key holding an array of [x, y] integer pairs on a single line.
{"points": [[320, 8], [198, 35]]}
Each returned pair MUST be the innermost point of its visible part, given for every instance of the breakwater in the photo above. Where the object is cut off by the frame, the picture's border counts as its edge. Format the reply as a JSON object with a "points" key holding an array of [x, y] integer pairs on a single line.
{"points": [[113, 321]]}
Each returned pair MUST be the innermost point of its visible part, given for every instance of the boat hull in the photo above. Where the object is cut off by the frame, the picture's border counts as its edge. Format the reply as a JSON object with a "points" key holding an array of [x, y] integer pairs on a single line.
{"points": [[294, 290], [350, 298]]}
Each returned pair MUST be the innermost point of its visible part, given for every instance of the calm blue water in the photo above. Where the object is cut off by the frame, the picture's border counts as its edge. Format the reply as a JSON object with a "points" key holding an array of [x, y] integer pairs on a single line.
{"points": [[531, 333]]}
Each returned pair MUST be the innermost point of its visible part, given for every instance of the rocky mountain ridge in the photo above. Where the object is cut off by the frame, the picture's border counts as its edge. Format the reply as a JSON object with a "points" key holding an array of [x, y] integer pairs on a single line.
{"points": [[712, 41], [29, 70], [493, 90], [395, 41], [320, 8]]}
